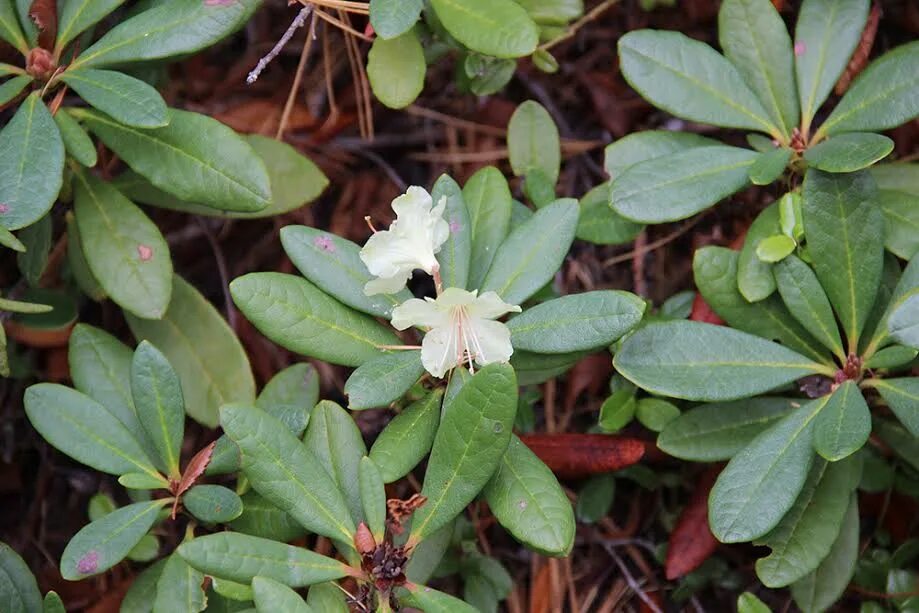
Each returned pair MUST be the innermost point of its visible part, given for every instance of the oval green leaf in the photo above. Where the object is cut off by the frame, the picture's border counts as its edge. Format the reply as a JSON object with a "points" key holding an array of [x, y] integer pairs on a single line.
{"points": [[122, 97], [381, 381], [18, 587], [500, 28], [488, 201], [212, 504], [272, 596], [405, 440], [455, 254], [849, 152], [533, 142], [396, 69]]}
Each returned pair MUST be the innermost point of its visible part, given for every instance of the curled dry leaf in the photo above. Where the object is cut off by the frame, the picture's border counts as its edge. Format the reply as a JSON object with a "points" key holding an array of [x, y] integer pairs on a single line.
{"points": [[582, 455], [859, 58], [44, 14], [692, 542], [195, 469]]}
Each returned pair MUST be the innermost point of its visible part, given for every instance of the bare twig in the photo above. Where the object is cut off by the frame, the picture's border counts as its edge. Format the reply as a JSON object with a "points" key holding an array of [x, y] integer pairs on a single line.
{"points": [[298, 22]]}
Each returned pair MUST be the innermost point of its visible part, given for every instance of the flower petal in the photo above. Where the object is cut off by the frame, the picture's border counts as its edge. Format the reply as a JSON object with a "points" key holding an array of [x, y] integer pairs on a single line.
{"points": [[440, 350], [492, 341], [417, 312], [387, 285], [490, 306]]}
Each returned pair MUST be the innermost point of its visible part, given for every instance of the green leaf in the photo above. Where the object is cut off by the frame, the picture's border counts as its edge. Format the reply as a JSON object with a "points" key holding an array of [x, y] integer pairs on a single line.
{"points": [[804, 296], [601, 225], [76, 141], [335, 440], [530, 256], [142, 481], [373, 497], [901, 222], [122, 97], [383, 380], [576, 323], [891, 357], [396, 69], [527, 500], [696, 361], [23, 7], [391, 18], [430, 600], [105, 542], [241, 558], [285, 472], [203, 349], [13, 88], [125, 250], [195, 157], [9, 28], [761, 482], [82, 428], [76, 16], [898, 176], [843, 426], [903, 321], [807, 532], [849, 152], [775, 248], [53, 603], [405, 440], [18, 588], [8, 239], [142, 593], [296, 385], [327, 598], [902, 396], [500, 28], [753, 37], [885, 95], [455, 254], [790, 216], [822, 587], [901, 441], [468, 448], [34, 311], [533, 141], [770, 165], [689, 79], [533, 368], [716, 432], [147, 549], [79, 267], [826, 34], [334, 265], [179, 588], [618, 410], [488, 201], [655, 413], [679, 185], [173, 27], [648, 145], [272, 596], [213, 504], [263, 519], [295, 314], [750, 603], [31, 164], [37, 241], [844, 229], [595, 498], [754, 276]]}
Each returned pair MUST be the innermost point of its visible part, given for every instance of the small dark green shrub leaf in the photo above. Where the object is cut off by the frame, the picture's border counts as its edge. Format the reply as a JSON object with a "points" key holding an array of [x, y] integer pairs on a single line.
{"points": [[754, 276], [295, 386], [488, 201], [849, 152], [79, 267], [142, 481], [472, 439], [78, 15], [901, 222], [775, 248], [18, 588], [528, 501], [750, 603], [272, 596], [373, 497], [618, 410], [500, 28], [769, 165], [655, 413], [577, 322], [37, 241], [391, 18], [902, 396], [903, 321], [76, 141], [122, 97], [327, 598], [430, 600], [396, 68], [455, 254], [297, 315], [405, 440], [891, 357], [595, 498], [804, 296], [105, 542], [142, 593], [600, 224], [263, 519], [533, 141], [843, 426], [9, 28], [213, 504], [13, 88], [383, 380], [53, 603], [638, 147], [31, 164], [240, 558], [533, 368], [179, 588]]}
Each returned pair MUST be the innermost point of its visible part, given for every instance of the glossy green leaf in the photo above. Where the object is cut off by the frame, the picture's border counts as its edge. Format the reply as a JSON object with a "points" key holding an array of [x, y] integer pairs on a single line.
{"points": [[679, 185], [142, 593], [79, 267], [750, 603], [689, 79], [500, 28], [843, 426], [754, 276], [810, 527], [327, 598], [601, 225], [122, 97], [173, 27], [52, 603], [638, 147], [892, 357], [533, 141], [195, 158], [791, 219], [844, 230], [18, 588], [618, 410], [332, 263], [125, 250], [405, 440], [530, 256], [849, 152], [826, 34], [396, 69], [391, 18], [902, 396], [9, 28], [212, 504], [595, 498], [533, 368], [78, 15], [9, 240], [37, 241], [142, 481], [296, 385], [383, 380], [804, 296], [240, 558], [822, 587], [696, 361], [775, 248], [31, 164], [576, 323], [286, 473], [468, 448], [488, 201], [105, 542], [295, 314], [903, 321], [761, 482], [76, 141], [263, 519], [272, 596], [770, 165], [885, 95], [179, 588], [901, 222], [528, 502], [715, 432], [755, 40], [13, 88], [82, 428], [335, 440], [373, 497], [202, 348], [455, 254], [430, 600], [655, 413]]}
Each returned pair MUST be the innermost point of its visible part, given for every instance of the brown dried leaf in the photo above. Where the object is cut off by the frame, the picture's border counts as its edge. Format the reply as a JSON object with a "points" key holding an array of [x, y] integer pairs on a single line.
{"points": [[44, 14], [859, 58], [193, 470], [581, 455], [692, 542], [704, 313]]}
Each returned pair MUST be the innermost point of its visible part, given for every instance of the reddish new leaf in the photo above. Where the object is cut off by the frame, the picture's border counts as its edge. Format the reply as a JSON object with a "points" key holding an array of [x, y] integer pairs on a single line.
{"points": [[195, 469], [582, 455], [704, 313], [44, 14], [692, 542]]}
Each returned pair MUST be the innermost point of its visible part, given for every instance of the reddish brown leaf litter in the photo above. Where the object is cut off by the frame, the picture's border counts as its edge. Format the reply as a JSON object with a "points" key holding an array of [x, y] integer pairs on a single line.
{"points": [[704, 313], [195, 469], [582, 455], [43, 14], [860, 56], [692, 542]]}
